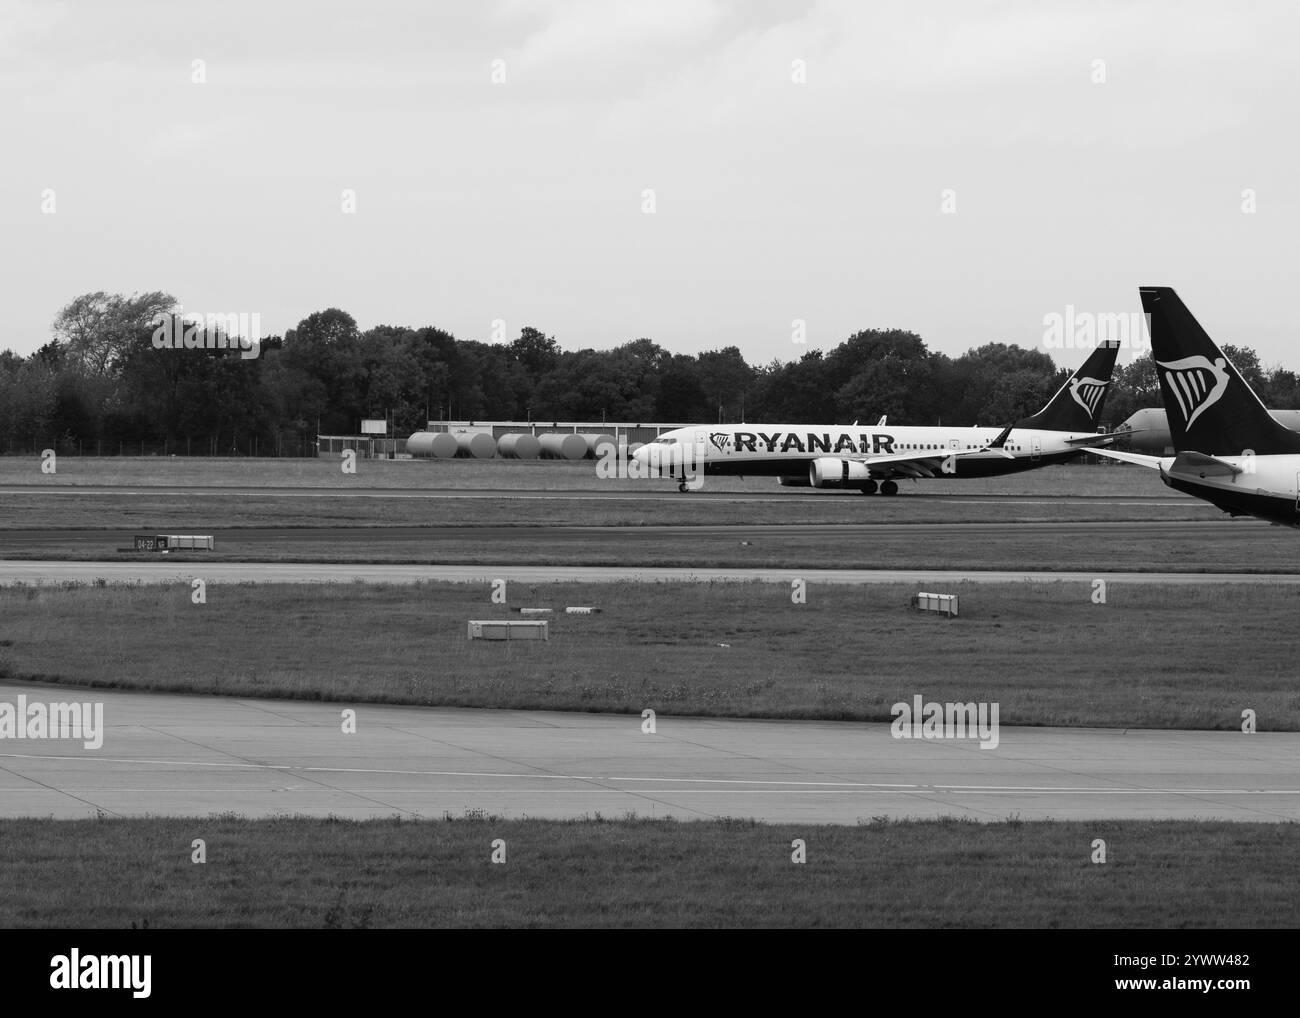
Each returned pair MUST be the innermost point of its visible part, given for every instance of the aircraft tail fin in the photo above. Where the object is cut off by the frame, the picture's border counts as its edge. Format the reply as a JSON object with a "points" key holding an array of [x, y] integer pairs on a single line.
{"points": [[1210, 407], [1077, 405]]}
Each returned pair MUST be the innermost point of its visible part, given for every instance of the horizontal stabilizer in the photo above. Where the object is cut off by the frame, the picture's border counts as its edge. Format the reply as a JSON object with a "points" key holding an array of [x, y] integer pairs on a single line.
{"points": [[1130, 457], [1203, 465]]}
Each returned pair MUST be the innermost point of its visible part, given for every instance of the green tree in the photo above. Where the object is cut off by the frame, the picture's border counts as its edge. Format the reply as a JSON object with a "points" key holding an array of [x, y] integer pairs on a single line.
{"points": [[97, 329]]}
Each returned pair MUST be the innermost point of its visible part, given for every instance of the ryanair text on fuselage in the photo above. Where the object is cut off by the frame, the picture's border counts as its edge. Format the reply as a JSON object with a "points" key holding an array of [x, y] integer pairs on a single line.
{"points": [[810, 442]]}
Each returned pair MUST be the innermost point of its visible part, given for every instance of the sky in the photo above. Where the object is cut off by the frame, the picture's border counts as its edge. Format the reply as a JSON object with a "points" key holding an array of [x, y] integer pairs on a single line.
{"points": [[702, 173]]}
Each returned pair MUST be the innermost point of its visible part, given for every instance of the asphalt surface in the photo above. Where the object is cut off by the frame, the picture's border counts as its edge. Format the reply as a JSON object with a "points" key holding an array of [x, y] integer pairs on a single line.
{"points": [[190, 755], [303, 572], [1156, 498], [495, 533]]}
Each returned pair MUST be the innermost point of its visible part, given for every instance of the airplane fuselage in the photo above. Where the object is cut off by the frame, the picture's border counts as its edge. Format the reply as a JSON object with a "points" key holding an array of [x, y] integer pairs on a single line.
{"points": [[790, 450], [1267, 487]]}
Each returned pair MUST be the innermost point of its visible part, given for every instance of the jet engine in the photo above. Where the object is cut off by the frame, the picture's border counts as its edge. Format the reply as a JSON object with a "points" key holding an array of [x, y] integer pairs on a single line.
{"points": [[829, 472]]}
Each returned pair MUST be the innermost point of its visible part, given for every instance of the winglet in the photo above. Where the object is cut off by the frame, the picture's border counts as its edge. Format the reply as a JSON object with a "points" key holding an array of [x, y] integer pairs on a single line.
{"points": [[1001, 440], [999, 444]]}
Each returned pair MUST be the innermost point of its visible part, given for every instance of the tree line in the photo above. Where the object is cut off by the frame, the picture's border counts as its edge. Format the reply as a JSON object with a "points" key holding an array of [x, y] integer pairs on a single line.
{"points": [[102, 385]]}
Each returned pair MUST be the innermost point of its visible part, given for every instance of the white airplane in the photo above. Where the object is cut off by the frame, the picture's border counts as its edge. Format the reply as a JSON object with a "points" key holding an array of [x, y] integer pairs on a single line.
{"points": [[817, 456], [1148, 429], [1228, 449]]}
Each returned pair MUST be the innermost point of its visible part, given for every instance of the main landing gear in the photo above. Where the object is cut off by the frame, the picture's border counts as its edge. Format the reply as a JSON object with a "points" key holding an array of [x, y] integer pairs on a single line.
{"points": [[885, 488]]}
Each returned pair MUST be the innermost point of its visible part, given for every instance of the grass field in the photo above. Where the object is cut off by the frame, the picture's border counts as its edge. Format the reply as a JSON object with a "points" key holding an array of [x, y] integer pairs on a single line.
{"points": [[441, 475], [1152, 657], [120, 515], [1237, 546], [296, 873], [387, 493]]}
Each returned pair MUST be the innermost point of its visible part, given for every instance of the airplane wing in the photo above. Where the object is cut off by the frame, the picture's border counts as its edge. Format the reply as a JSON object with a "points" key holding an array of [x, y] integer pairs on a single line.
{"points": [[918, 464], [1101, 436], [930, 463]]}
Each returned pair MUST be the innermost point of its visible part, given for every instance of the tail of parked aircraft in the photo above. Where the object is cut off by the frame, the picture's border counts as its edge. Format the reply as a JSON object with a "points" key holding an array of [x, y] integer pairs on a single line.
{"points": [[1078, 403], [1211, 408]]}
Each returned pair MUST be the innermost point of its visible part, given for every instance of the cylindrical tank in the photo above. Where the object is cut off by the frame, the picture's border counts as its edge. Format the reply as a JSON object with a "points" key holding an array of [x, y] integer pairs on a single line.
{"points": [[438, 444], [479, 447], [519, 447], [594, 442], [562, 447]]}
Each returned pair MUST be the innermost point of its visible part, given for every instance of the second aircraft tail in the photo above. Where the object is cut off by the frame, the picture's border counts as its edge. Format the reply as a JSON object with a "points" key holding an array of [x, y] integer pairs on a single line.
{"points": [[1078, 403]]}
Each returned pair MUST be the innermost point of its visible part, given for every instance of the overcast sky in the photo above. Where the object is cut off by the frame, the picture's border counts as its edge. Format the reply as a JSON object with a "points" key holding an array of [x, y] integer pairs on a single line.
{"points": [[774, 199]]}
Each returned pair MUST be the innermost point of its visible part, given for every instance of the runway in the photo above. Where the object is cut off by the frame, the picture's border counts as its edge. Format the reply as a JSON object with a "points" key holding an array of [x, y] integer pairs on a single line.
{"points": [[494, 533], [630, 493], [153, 571], [190, 755]]}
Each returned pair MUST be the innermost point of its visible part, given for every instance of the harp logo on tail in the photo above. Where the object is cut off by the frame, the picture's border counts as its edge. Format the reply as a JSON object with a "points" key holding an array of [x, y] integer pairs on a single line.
{"points": [[1196, 384], [1087, 392]]}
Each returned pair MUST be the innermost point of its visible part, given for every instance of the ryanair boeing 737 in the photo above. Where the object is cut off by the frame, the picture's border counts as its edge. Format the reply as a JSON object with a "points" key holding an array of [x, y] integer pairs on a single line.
{"points": [[874, 459], [1228, 449]]}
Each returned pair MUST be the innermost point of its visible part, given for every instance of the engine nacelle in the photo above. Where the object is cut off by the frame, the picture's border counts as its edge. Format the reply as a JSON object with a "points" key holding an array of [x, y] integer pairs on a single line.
{"points": [[797, 481], [829, 472]]}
